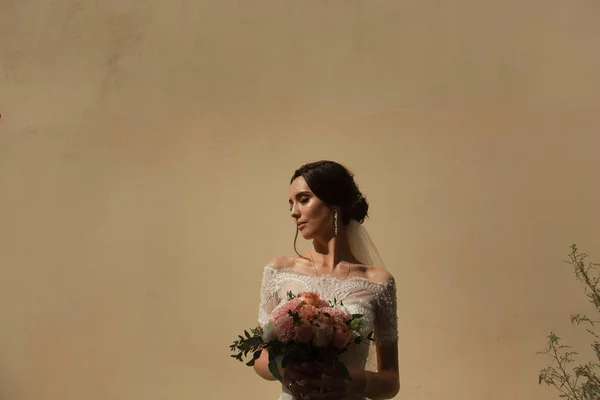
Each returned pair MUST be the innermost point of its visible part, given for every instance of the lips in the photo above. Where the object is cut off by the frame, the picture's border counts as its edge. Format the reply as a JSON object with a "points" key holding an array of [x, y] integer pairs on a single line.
{"points": [[301, 225]]}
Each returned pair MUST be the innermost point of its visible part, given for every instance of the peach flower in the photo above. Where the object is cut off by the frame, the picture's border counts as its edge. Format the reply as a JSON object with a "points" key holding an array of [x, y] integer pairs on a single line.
{"points": [[311, 298], [340, 337], [307, 312]]}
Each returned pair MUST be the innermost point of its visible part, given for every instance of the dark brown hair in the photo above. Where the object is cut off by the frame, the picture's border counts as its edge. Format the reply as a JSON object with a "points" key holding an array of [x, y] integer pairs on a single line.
{"points": [[334, 184]]}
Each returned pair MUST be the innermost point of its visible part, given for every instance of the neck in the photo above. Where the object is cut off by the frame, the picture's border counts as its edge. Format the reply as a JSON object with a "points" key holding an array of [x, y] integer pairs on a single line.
{"points": [[331, 251]]}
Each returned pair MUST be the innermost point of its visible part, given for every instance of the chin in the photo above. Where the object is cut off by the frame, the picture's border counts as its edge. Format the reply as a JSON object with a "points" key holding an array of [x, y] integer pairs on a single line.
{"points": [[307, 235]]}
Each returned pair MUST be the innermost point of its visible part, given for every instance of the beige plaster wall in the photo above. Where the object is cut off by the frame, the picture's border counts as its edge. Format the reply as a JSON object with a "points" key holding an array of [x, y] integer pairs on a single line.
{"points": [[146, 147]]}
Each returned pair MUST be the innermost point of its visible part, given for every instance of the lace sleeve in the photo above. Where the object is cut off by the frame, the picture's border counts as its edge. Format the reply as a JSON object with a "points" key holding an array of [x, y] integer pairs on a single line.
{"points": [[386, 319], [268, 295]]}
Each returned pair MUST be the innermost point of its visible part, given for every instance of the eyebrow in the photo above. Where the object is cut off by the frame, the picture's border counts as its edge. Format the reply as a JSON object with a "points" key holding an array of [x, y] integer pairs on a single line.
{"points": [[300, 194]]}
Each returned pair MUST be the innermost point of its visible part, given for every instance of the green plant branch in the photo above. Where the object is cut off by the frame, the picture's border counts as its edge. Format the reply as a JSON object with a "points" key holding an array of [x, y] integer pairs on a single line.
{"points": [[562, 369], [582, 384]]}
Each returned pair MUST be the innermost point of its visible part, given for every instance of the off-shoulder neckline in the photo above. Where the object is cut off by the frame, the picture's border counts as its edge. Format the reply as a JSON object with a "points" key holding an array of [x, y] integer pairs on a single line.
{"points": [[329, 277]]}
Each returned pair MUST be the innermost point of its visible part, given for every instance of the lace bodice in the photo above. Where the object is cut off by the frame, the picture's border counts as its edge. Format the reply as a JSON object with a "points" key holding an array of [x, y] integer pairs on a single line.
{"points": [[376, 301]]}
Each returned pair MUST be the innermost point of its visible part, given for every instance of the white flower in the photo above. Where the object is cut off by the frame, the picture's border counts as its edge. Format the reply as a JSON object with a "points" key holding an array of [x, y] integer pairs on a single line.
{"points": [[322, 335], [267, 335], [343, 308]]}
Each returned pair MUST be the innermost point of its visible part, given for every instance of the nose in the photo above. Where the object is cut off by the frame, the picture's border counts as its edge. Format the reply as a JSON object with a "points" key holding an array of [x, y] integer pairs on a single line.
{"points": [[294, 212]]}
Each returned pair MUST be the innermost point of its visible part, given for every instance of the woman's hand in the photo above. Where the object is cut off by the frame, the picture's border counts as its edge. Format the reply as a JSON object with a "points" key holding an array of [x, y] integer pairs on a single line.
{"points": [[295, 377], [314, 381]]}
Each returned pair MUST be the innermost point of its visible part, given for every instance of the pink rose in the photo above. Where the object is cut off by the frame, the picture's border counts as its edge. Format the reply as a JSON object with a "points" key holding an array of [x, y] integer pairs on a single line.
{"points": [[339, 318], [283, 327], [283, 309], [283, 323], [303, 332], [340, 337]]}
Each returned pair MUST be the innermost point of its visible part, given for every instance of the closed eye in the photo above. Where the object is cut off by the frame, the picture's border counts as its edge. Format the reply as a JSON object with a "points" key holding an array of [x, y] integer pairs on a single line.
{"points": [[302, 198]]}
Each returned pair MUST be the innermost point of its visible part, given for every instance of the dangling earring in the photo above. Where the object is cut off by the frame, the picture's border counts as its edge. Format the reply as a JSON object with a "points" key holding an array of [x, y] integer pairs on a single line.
{"points": [[335, 217]]}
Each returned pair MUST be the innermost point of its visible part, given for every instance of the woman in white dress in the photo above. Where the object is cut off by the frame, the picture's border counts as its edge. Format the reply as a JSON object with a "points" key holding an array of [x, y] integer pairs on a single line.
{"points": [[328, 209]]}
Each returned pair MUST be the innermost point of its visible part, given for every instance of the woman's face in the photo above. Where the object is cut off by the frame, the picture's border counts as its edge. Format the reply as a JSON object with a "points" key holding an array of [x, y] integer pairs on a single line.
{"points": [[312, 217]]}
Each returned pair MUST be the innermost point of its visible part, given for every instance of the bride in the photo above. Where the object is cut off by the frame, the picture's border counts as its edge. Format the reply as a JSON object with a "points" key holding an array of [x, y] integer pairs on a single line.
{"points": [[328, 209]]}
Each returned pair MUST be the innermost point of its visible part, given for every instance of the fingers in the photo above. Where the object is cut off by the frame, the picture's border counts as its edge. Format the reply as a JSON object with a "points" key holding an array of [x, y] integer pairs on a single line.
{"points": [[298, 381], [302, 384], [298, 374], [332, 395], [306, 369], [319, 389], [313, 381], [298, 391], [319, 369]]}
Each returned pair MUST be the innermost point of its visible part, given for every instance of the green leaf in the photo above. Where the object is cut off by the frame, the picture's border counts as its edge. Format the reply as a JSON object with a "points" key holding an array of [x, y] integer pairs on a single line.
{"points": [[285, 360], [279, 358], [274, 362], [341, 367], [255, 356], [274, 370]]}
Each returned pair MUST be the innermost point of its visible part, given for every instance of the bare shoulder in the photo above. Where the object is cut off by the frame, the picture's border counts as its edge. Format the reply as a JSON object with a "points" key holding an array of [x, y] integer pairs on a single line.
{"points": [[282, 262], [379, 274]]}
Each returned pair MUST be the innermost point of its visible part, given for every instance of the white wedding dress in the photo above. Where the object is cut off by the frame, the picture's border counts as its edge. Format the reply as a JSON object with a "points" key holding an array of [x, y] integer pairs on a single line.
{"points": [[376, 301]]}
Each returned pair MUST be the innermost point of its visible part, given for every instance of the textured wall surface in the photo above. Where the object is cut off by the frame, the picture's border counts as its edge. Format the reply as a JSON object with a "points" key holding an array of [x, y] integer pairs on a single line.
{"points": [[146, 148]]}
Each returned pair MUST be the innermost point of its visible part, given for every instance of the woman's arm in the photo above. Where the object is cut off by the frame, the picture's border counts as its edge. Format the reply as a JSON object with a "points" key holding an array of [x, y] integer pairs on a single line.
{"points": [[330, 385], [291, 375], [383, 384], [378, 385], [268, 302], [261, 367]]}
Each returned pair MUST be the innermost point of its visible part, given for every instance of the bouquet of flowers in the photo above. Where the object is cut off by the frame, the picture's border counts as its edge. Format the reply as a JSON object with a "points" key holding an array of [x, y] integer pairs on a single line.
{"points": [[305, 328]]}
